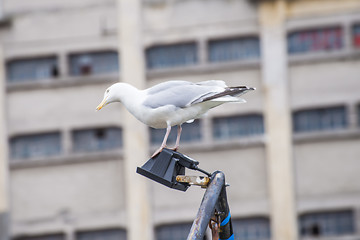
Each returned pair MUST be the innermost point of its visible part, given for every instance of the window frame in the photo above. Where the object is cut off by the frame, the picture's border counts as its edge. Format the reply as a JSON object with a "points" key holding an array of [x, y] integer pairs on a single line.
{"points": [[233, 38], [355, 37], [73, 71], [316, 214], [322, 109], [97, 149], [52, 56], [313, 29], [30, 156], [183, 225], [122, 232], [41, 237], [157, 46], [233, 137], [253, 218]]}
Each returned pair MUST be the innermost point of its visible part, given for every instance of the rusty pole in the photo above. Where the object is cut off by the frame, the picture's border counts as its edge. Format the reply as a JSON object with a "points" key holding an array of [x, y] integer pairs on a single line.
{"points": [[213, 202]]}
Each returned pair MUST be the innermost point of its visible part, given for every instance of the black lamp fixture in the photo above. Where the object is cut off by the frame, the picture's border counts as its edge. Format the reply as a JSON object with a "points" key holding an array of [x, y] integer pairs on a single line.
{"points": [[164, 167]]}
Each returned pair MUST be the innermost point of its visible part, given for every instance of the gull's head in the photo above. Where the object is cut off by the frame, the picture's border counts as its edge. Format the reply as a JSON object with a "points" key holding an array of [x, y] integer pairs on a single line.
{"points": [[110, 96]]}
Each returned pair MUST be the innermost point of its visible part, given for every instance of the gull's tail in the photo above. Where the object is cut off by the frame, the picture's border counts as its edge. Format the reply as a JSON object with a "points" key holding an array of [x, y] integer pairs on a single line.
{"points": [[230, 94]]}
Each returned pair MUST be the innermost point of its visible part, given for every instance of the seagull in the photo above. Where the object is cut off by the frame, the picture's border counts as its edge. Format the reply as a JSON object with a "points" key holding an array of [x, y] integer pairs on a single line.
{"points": [[172, 103]]}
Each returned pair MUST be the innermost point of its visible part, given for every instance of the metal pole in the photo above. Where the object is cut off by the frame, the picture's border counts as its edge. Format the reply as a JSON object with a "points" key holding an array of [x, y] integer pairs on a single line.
{"points": [[226, 230], [207, 207]]}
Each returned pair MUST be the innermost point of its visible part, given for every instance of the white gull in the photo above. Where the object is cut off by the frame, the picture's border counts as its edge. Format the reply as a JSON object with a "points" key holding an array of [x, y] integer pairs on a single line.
{"points": [[172, 103]]}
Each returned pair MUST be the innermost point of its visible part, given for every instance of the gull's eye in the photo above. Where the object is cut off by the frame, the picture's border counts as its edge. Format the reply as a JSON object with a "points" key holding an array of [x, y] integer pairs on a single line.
{"points": [[107, 91]]}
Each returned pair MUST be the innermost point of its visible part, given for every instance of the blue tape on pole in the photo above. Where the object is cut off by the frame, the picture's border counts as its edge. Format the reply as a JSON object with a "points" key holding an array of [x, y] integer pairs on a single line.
{"points": [[226, 220], [230, 238]]}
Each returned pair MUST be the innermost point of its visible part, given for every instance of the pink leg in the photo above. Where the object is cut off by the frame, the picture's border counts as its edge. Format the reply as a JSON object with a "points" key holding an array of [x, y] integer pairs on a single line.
{"points": [[163, 145], [175, 148]]}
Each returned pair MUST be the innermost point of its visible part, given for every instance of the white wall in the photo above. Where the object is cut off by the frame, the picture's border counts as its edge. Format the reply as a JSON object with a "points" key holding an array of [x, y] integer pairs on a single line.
{"points": [[79, 193]]}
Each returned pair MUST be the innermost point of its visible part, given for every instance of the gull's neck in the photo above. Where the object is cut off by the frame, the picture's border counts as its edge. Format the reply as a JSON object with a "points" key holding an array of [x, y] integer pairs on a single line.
{"points": [[131, 97]]}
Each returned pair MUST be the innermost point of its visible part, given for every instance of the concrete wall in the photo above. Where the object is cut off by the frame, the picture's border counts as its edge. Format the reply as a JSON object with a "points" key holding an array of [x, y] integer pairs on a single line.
{"points": [[327, 175], [61, 108], [331, 171], [74, 193], [325, 83]]}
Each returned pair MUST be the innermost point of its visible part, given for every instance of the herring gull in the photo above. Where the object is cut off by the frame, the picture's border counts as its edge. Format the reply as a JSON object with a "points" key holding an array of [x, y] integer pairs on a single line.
{"points": [[172, 103]]}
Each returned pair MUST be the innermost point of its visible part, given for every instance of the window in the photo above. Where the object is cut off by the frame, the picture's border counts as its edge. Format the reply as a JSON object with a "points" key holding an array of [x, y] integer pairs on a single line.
{"points": [[237, 126], [99, 139], [319, 119], [316, 40], [43, 237], [327, 224], [191, 132], [32, 69], [94, 63], [234, 49], [168, 56], [37, 145], [173, 232], [251, 228], [109, 234], [356, 32]]}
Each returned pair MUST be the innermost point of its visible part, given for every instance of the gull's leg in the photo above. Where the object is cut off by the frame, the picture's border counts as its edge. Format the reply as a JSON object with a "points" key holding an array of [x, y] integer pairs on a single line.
{"points": [[163, 145], [175, 148]]}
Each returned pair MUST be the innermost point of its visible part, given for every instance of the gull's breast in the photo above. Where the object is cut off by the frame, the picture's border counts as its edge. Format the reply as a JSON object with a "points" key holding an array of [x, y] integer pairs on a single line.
{"points": [[159, 117]]}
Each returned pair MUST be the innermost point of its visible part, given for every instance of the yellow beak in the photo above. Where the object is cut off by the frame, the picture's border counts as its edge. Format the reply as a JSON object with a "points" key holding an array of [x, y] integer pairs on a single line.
{"points": [[101, 105]]}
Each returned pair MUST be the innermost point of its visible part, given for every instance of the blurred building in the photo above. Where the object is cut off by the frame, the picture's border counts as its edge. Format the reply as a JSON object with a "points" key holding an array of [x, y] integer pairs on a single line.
{"points": [[66, 161]]}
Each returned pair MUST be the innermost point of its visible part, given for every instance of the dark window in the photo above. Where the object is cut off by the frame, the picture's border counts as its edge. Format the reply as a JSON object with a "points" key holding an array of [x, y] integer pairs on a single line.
{"points": [[99, 139], [168, 56], [94, 63], [237, 126], [109, 234], [257, 228], [37, 145], [234, 49], [356, 32], [32, 69], [191, 132], [319, 119], [178, 231], [42, 237], [315, 40], [327, 224]]}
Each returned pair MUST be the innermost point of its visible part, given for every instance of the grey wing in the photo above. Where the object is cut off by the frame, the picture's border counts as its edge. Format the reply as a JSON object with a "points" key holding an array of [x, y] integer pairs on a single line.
{"points": [[179, 95], [166, 85], [218, 83]]}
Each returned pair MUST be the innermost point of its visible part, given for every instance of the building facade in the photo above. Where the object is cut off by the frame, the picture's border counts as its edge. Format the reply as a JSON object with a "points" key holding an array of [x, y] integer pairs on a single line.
{"points": [[66, 161]]}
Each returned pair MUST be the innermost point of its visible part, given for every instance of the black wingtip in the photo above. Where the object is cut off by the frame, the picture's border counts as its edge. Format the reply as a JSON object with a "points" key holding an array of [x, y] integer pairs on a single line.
{"points": [[242, 88]]}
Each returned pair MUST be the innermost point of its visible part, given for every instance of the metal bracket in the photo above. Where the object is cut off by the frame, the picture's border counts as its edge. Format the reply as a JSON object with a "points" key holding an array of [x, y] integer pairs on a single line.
{"points": [[194, 180]]}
